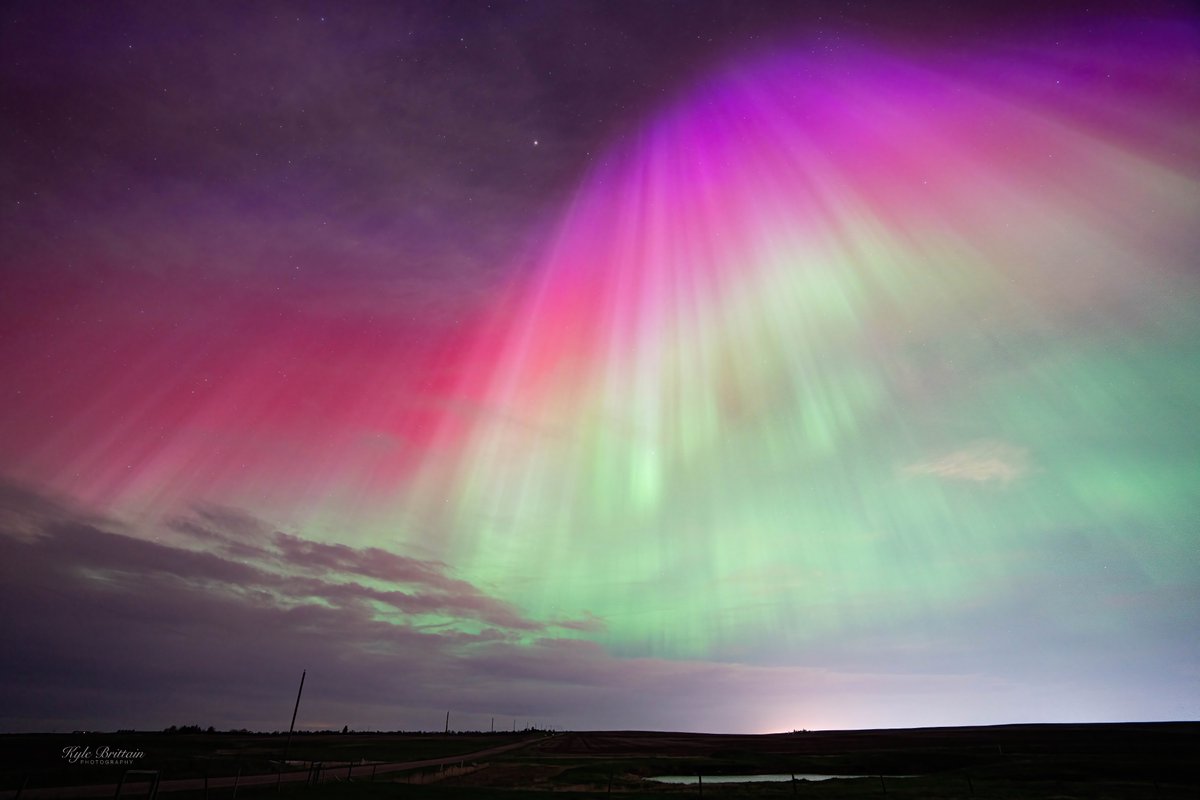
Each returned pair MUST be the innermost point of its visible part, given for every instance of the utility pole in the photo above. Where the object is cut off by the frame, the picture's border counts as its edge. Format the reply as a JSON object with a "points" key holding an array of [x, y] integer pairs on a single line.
{"points": [[292, 727]]}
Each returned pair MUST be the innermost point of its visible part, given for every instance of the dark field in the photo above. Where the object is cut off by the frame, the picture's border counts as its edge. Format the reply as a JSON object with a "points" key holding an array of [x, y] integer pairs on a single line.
{"points": [[1135, 760]]}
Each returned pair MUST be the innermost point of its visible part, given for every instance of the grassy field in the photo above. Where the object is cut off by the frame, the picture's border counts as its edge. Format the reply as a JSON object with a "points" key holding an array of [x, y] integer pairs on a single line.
{"points": [[38, 759], [1152, 761]]}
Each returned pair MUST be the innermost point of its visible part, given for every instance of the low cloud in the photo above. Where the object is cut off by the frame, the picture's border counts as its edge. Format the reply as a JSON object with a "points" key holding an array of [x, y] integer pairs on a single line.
{"points": [[984, 461], [108, 629]]}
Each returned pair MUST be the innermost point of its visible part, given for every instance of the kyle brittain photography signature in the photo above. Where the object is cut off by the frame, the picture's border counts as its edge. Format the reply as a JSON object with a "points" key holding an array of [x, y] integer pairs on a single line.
{"points": [[102, 756]]}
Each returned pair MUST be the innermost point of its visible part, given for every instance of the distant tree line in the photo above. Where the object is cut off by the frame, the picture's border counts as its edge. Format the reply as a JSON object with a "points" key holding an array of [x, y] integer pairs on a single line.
{"points": [[196, 729]]}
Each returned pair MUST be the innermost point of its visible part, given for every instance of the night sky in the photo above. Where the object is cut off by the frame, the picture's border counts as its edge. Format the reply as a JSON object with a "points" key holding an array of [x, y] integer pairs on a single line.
{"points": [[711, 366]]}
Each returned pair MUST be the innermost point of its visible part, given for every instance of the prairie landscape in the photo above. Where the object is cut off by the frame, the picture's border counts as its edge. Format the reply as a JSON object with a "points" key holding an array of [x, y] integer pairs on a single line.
{"points": [[1136, 760]]}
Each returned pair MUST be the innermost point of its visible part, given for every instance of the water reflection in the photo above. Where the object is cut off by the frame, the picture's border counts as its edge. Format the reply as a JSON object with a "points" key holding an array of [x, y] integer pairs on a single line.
{"points": [[800, 776]]}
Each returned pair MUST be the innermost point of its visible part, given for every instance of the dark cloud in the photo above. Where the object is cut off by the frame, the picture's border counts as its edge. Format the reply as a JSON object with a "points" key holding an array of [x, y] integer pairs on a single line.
{"points": [[108, 628], [333, 573]]}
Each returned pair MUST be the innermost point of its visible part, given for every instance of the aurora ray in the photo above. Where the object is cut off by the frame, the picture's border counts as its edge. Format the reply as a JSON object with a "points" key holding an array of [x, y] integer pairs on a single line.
{"points": [[839, 342]]}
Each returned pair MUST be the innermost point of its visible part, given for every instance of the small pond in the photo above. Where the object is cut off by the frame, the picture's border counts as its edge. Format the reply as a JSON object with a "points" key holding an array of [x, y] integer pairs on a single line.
{"points": [[800, 776]]}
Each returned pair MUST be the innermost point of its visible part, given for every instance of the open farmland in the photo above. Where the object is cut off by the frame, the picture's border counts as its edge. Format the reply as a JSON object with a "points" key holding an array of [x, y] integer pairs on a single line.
{"points": [[1143, 760]]}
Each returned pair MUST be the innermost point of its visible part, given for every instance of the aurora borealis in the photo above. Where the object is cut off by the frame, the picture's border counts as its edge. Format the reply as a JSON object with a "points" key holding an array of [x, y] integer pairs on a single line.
{"points": [[670, 366]]}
